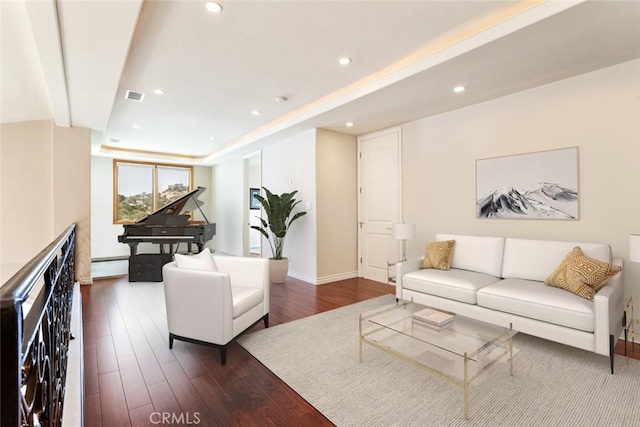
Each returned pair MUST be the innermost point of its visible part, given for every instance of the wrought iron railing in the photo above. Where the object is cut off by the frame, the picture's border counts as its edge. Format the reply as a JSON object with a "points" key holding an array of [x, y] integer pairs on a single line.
{"points": [[35, 310]]}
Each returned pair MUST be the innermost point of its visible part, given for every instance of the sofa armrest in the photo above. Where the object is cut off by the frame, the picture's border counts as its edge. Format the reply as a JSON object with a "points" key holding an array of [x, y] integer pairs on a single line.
{"points": [[608, 307], [403, 268]]}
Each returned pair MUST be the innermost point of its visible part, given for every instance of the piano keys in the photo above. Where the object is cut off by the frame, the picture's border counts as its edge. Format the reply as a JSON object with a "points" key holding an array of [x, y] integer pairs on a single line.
{"points": [[166, 227]]}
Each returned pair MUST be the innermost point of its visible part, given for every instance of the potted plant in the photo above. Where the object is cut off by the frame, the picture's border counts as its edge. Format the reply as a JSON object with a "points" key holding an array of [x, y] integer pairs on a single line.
{"points": [[278, 210]]}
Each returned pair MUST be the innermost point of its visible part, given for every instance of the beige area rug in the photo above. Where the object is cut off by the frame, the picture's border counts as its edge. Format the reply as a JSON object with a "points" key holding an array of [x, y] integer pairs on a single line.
{"points": [[553, 385]]}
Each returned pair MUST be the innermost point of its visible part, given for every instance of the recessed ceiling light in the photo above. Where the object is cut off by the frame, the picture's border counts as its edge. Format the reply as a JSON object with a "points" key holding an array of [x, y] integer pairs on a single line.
{"points": [[256, 112], [349, 124], [136, 126], [282, 99], [344, 61], [213, 7], [212, 138], [459, 89], [158, 91]]}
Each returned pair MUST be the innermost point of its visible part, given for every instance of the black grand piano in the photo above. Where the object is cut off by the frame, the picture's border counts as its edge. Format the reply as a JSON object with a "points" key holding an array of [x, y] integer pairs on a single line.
{"points": [[166, 227]]}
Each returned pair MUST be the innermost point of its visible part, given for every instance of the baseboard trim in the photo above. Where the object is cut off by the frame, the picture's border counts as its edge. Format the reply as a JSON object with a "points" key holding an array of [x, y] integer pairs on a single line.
{"points": [[325, 279], [110, 258], [336, 277]]}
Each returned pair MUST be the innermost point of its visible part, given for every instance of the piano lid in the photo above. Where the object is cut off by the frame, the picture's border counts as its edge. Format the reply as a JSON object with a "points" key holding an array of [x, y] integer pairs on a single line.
{"points": [[189, 202]]}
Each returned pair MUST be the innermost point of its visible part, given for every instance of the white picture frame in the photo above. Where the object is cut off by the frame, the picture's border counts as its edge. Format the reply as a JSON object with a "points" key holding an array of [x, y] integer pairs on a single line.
{"points": [[540, 185]]}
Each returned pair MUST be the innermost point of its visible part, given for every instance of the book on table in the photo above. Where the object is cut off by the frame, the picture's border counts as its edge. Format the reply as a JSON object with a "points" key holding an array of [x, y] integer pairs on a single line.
{"points": [[431, 325], [433, 317]]}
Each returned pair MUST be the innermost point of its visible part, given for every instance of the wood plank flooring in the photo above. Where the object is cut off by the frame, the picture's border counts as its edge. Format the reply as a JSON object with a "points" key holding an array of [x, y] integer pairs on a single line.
{"points": [[133, 379]]}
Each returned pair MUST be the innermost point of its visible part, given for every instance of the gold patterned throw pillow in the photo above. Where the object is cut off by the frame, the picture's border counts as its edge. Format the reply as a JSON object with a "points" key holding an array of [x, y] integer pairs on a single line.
{"points": [[438, 255], [582, 275]]}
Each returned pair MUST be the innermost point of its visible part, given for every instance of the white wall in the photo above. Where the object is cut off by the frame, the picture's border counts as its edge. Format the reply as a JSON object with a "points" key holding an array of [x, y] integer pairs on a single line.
{"points": [[104, 233], [337, 208], [287, 166], [228, 204], [202, 177], [598, 112]]}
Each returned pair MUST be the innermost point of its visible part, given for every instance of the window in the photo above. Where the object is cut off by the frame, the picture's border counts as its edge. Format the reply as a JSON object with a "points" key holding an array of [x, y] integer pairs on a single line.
{"points": [[143, 188]]}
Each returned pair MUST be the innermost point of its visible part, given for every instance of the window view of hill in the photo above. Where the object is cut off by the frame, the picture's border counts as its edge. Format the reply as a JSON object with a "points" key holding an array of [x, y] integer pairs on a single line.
{"points": [[136, 206]]}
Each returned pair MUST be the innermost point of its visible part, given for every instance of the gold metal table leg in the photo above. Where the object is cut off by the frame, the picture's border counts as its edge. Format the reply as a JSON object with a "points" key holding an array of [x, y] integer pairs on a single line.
{"points": [[360, 339], [466, 389], [510, 349]]}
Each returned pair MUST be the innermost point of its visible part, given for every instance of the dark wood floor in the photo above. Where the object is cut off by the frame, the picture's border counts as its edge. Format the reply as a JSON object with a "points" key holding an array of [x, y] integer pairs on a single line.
{"points": [[132, 378]]}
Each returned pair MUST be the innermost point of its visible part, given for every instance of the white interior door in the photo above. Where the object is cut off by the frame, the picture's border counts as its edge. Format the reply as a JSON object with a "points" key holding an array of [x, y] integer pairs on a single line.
{"points": [[379, 201]]}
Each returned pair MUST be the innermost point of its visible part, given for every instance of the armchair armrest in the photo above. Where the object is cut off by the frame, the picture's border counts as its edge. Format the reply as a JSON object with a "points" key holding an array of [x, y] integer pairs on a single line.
{"points": [[608, 308], [403, 268], [247, 272]]}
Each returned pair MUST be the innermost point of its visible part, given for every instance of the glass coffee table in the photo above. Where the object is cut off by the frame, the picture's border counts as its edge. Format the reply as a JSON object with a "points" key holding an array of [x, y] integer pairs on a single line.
{"points": [[631, 323], [459, 353]]}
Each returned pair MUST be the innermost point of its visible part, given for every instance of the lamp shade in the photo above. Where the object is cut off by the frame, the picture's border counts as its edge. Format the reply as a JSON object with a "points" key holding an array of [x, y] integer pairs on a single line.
{"points": [[634, 247], [403, 230]]}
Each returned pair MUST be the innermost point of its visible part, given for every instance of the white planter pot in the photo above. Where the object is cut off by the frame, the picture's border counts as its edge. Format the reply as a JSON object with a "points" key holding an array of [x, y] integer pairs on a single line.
{"points": [[278, 269]]}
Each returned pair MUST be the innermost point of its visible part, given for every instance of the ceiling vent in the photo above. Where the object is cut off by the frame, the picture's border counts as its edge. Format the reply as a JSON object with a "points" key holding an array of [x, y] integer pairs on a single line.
{"points": [[114, 140], [134, 96]]}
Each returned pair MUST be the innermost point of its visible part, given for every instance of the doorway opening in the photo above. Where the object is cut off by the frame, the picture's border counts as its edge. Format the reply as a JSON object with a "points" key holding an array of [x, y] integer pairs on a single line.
{"points": [[253, 174]]}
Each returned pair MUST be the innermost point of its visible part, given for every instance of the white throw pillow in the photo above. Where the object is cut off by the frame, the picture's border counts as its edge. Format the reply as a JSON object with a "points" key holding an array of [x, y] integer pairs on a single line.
{"points": [[202, 261]]}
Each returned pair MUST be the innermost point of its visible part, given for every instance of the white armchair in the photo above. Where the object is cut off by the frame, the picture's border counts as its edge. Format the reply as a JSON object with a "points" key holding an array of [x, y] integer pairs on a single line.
{"points": [[215, 307]]}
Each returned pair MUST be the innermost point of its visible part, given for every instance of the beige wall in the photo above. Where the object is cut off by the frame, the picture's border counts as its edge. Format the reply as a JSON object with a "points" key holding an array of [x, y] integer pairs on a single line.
{"points": [[44, 188], [72, 191], [26, 197], [597, 112], [337, 208]]}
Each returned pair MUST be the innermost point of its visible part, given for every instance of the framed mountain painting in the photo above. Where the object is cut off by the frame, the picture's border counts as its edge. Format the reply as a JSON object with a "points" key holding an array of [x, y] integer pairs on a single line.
{"points": [[542, 185]]}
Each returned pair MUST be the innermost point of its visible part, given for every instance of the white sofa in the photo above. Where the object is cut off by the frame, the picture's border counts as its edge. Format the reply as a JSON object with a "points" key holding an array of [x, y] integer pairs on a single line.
{"points": [[500, 281]]}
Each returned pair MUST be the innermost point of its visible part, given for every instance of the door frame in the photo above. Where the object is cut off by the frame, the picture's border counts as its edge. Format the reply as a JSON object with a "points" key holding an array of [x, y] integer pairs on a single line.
{"points": [[246, 234], [360, 140]]}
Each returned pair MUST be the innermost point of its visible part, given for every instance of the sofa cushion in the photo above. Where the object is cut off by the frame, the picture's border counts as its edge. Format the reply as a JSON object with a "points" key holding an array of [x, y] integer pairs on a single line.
{"points": [[537, 259], [459, 285], [582, 275], [438, 255], [245, 298], [535, 300], [475, 253]]}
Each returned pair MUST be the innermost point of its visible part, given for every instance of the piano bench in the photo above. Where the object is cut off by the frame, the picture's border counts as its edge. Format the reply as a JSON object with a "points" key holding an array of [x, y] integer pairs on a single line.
{"points": [[147, 267]]}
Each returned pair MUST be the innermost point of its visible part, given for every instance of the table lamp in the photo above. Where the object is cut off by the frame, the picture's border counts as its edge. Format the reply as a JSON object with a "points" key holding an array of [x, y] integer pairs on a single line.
{"points": [[403, 231]]}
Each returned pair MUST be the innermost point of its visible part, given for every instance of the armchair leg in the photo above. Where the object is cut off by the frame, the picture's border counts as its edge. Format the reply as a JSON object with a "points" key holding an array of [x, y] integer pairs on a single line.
{"points": [[170, 341], [223, 355], [266, 320]]}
